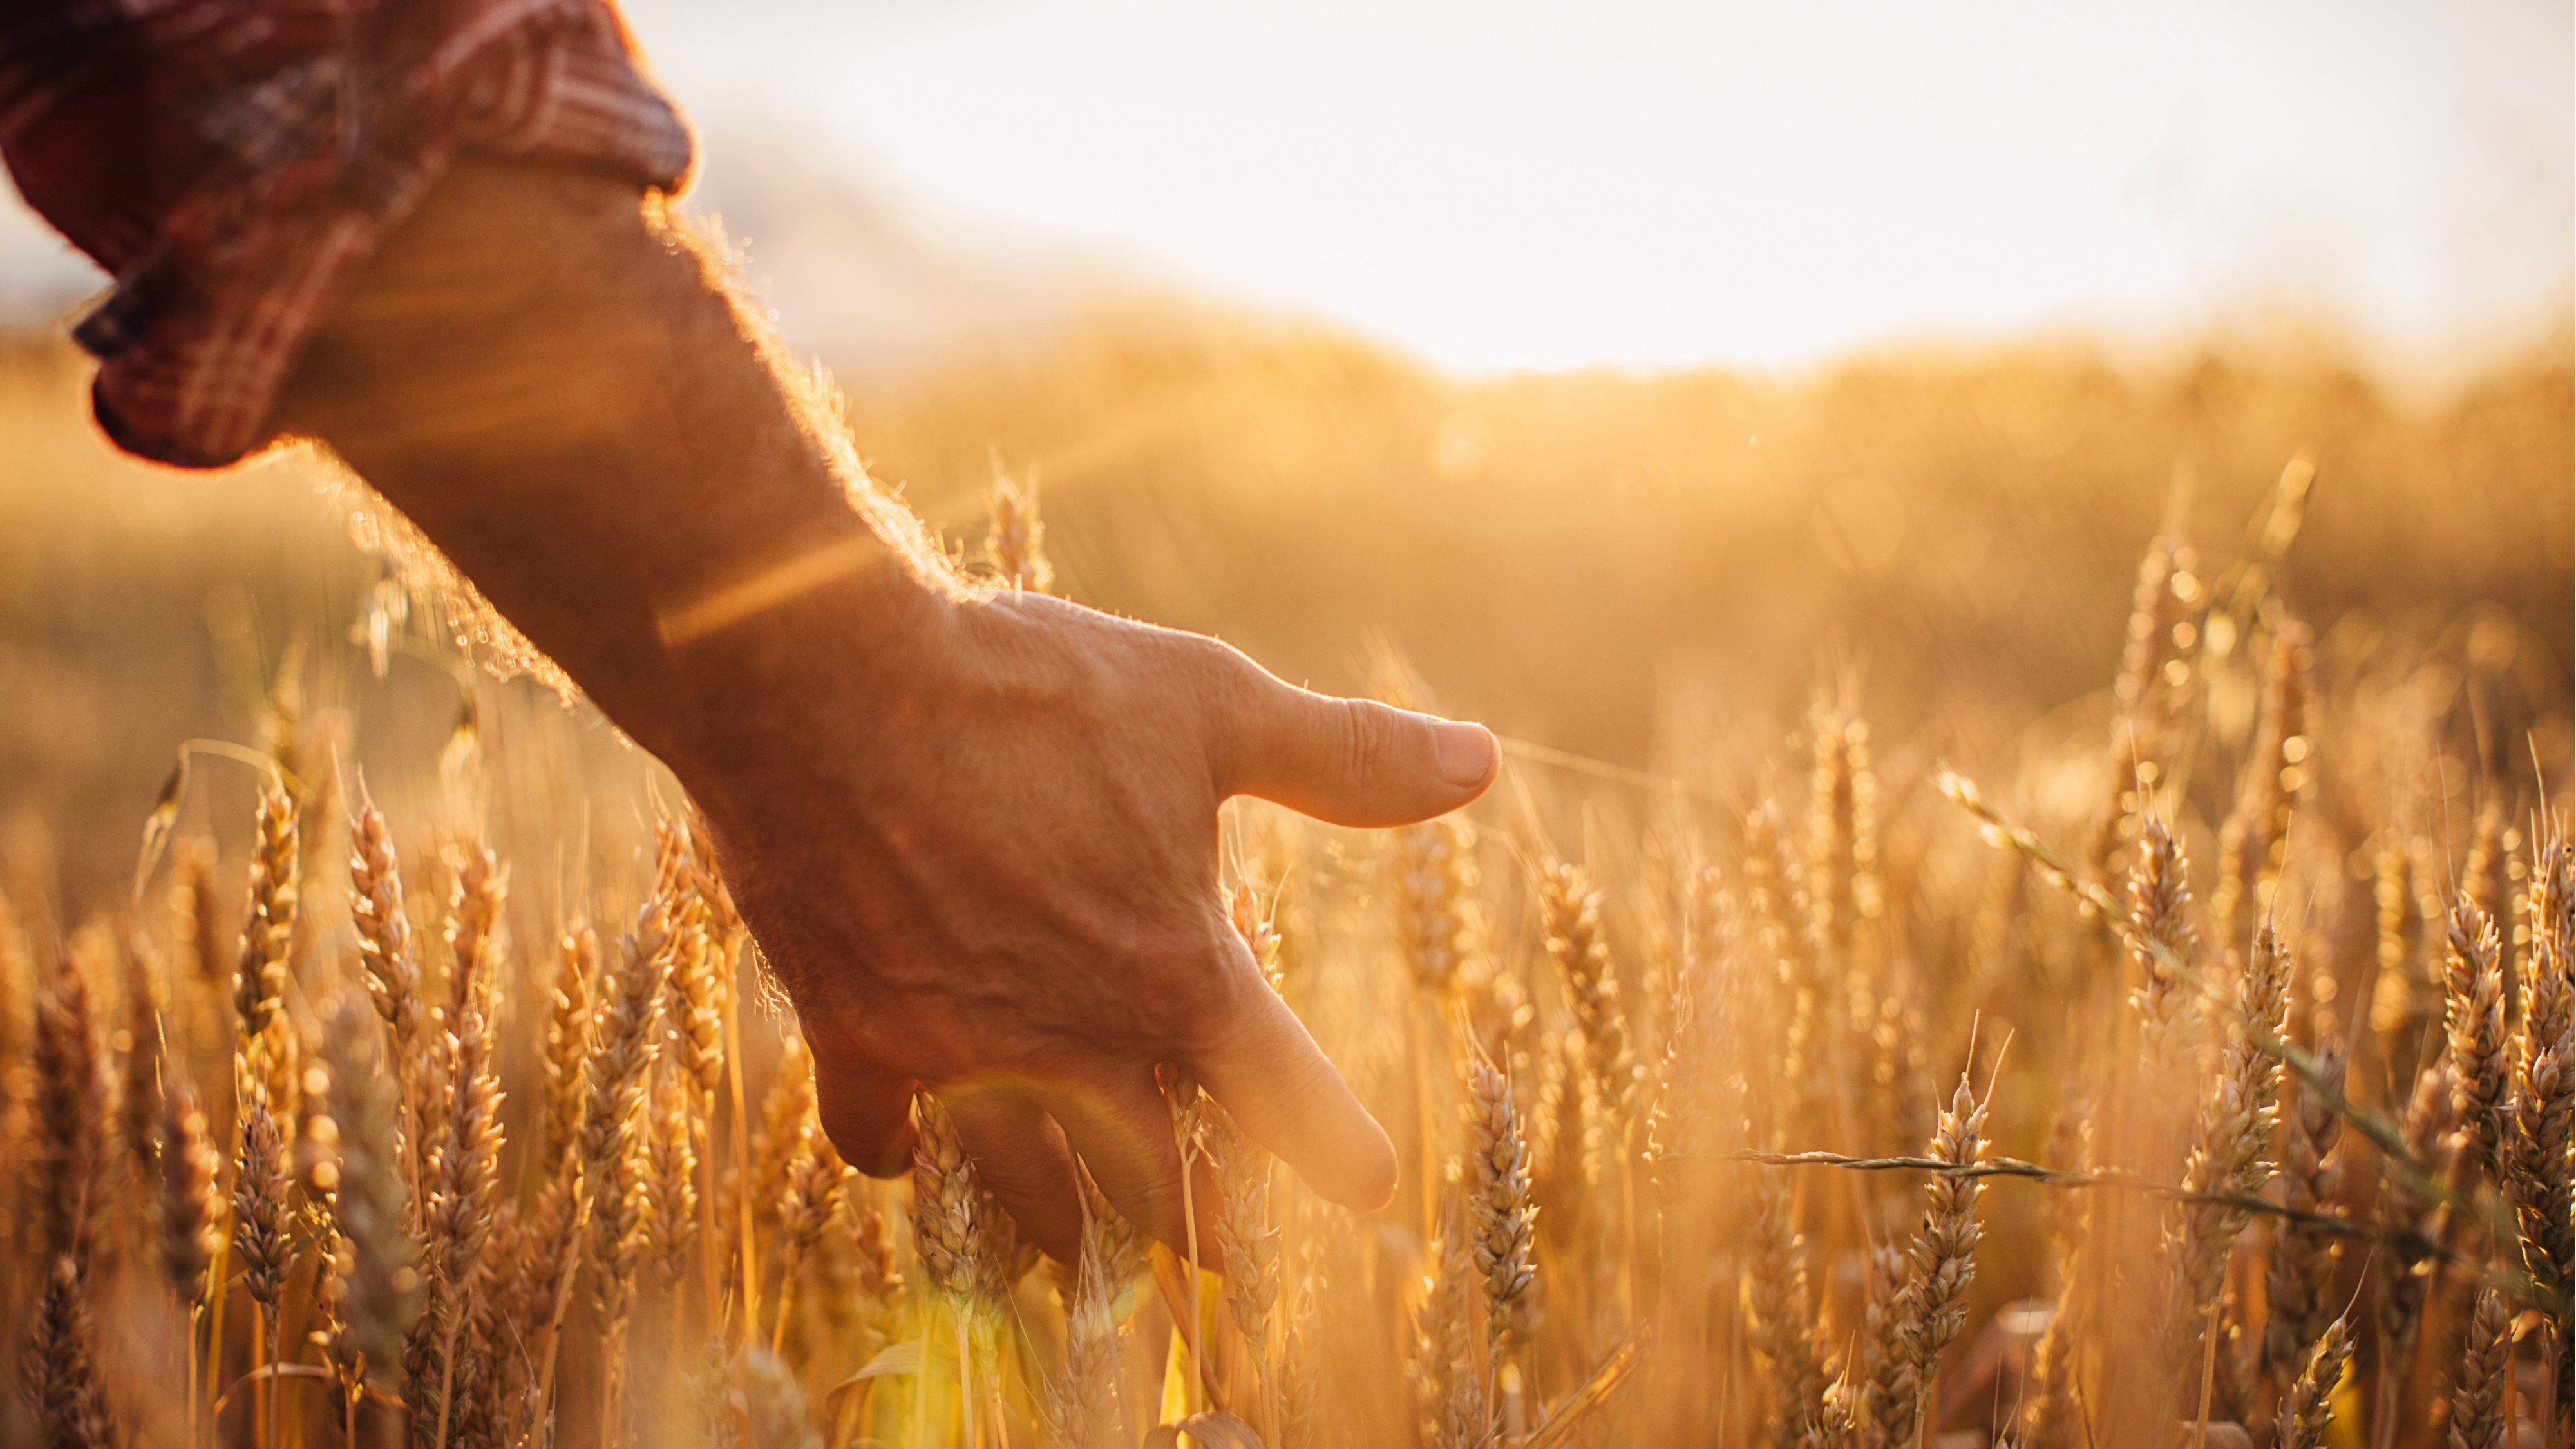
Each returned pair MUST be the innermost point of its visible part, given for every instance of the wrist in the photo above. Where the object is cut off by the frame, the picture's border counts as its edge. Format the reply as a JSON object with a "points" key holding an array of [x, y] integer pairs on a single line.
{"points": [[553, 384], [750, 669]]}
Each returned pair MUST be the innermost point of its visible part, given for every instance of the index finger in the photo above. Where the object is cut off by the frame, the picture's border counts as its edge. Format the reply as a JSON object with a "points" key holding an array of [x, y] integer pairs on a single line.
{"points": [[1288, 1096]]}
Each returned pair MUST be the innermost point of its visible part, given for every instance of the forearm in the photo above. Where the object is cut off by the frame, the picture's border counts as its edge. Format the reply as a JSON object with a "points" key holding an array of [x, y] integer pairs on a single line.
{"points": [[552, 386]]}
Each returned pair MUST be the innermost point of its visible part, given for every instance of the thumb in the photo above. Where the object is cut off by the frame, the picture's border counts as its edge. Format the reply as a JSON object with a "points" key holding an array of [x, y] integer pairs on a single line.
{"points": [[1354, 761]]}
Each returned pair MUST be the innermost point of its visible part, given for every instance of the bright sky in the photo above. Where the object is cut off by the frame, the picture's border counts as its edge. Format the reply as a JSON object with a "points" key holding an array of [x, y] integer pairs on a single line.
{"points": [[1508, 183]]}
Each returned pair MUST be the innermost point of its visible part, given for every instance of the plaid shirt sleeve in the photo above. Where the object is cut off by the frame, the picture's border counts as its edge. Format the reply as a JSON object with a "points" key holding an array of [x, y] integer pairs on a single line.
{"points": [[233, 164]]}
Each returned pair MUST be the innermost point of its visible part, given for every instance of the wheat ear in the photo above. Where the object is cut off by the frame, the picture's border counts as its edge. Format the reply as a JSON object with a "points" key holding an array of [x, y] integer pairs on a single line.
{"points": [[2408, 1218], [60, 1369], [814, 1187], [2404, 998], [260, 1242], [2303, 1259], [1932, 1307], [615, 1076], [1247, 1244], [1782, 1314], [954, 1231], [2237, 1118], [2537, 1148], [1502, 1218], [2170, 1025], [2279, 769], [380, 1279], [670, 1178], [695, 1011], [1084, 1405], [1016, 542], [2473, 989], [2139, 698], [1434, 879], [465, 1177], [778, 1143], [568, 1017], [2307, 1405], [1571, 909], [392, 967], [189, 1206], [2478, 1390], [70, 1114], [946, 1203], [1448, 1392], [268, 931]]}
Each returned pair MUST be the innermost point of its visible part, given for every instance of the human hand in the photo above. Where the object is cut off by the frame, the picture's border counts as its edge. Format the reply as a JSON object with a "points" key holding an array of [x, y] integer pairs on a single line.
{"points": [[985, 860], [975, 833]]}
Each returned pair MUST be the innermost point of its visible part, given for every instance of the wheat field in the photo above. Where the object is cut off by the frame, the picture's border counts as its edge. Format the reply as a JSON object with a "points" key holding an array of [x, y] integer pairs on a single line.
{"points": [[2166, 1044]]}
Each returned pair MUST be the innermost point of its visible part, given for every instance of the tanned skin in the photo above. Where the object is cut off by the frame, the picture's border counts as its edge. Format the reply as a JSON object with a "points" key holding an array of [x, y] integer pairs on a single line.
{"points": [[976, 832]]}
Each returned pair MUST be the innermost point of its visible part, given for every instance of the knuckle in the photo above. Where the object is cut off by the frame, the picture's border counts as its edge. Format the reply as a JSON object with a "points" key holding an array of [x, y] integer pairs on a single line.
{"points": [[1204, 666], [1365, 730]]}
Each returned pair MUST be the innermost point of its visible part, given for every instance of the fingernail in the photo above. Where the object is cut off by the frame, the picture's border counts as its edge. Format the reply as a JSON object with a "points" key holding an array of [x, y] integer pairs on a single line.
{"points": [[1467, 754]]}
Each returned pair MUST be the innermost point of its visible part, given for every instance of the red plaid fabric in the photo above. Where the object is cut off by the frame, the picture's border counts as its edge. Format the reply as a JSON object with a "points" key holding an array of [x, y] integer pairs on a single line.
{"points": [[234, 164]]}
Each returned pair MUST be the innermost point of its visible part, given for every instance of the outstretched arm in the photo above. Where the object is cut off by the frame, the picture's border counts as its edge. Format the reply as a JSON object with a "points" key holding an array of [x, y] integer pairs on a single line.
{"points": [[975, 832]]}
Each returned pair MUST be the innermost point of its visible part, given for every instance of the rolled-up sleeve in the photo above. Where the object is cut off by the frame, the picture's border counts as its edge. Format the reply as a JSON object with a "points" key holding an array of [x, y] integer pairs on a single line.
{"points": [[234, 164]]}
